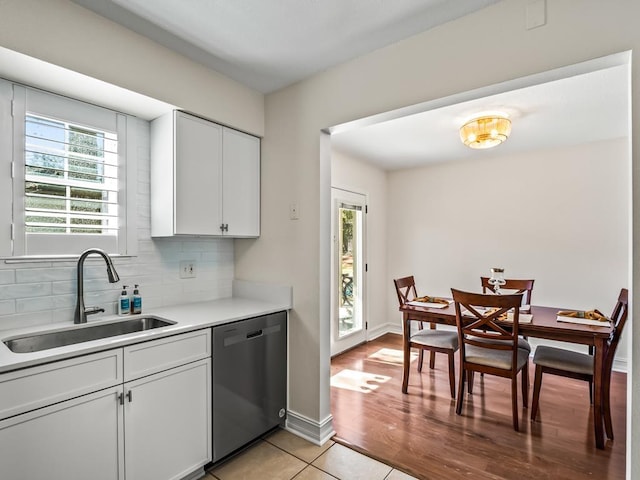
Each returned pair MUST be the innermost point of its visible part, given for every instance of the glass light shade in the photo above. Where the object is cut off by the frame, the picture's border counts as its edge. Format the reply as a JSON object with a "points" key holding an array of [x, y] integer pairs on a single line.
{"points": [[497, 279], [485, 132]]}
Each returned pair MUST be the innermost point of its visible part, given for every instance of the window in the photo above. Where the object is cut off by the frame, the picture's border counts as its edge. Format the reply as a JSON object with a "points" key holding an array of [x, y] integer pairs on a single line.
{"points": [[70, 177]]}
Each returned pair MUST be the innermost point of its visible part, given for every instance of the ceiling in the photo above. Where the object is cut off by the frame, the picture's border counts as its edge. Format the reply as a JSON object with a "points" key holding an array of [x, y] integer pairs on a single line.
{"points": [[269, 44], [573, 110]]}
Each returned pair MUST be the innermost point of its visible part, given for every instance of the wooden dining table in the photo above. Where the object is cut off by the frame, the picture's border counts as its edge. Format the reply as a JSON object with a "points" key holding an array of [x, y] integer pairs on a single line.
{"points": [[544, 325]]}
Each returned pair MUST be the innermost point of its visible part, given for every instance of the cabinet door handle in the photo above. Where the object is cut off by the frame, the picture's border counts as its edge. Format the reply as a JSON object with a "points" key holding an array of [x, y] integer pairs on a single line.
{"points": [[121, 398], [130, 396]]}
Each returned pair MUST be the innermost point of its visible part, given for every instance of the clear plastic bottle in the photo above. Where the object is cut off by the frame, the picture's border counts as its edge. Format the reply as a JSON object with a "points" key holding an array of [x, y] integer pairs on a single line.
{"points": [[124, 304], [136, 301]]}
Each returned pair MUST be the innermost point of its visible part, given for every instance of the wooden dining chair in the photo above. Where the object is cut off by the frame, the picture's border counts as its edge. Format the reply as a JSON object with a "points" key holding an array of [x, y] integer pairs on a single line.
{"points": [[567, 363], [431, 339], [487, 345], [513, 285]]}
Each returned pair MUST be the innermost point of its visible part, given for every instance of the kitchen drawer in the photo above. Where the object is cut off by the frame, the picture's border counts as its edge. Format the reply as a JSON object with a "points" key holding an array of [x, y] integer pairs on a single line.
{"points": [[157, 355], [35, 387]]}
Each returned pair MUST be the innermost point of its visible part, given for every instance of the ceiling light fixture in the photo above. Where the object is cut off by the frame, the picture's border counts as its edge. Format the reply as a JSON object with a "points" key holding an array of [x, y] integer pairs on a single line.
{"points": [[486, 131]]}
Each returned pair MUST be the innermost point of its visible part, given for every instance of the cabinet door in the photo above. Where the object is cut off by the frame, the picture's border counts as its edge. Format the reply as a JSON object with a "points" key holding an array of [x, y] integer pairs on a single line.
{"points": [[198, 167], [76, 439], [241, 184], [168, 423]]}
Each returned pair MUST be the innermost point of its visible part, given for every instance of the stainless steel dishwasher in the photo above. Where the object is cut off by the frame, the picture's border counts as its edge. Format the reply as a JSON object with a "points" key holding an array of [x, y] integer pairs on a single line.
{"points": [[249, 380]]}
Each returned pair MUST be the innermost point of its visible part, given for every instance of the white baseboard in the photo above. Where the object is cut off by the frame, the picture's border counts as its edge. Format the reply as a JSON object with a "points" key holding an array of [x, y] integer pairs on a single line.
{"points": [[380, 330], [620, 365], [315, 432]]}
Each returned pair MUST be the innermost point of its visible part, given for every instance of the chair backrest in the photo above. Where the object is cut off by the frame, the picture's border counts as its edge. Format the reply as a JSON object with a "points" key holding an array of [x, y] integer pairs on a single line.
{"points": [[619, 318], [477, 324], [515, 285], [405, 289]]}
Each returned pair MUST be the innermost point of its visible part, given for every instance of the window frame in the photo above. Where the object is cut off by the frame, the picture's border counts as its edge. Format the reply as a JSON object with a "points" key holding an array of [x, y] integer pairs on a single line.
{"points": [[24, 100]]}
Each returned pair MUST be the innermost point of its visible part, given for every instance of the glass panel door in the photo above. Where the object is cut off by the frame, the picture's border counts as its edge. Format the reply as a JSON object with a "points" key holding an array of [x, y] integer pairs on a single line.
{"points": [[348, 325]]}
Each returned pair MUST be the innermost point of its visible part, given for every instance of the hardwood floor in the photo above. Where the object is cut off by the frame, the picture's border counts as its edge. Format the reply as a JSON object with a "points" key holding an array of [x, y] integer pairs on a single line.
{"points": [[421, 434]]}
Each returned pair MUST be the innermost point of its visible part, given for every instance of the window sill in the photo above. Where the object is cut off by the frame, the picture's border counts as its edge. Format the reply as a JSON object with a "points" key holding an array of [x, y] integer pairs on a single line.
{"points": [[52, 258]]}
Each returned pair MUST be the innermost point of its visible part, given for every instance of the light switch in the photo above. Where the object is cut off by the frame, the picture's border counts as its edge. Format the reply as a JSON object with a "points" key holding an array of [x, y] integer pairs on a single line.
{"points": [[293, 211], [536, 13]]}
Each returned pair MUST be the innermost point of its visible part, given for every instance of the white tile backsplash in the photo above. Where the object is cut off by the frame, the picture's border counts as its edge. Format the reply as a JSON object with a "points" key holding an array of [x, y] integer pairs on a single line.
{"points": [[39, 274], [7, 307], [23, 290], [45, 292], [7, 276]]}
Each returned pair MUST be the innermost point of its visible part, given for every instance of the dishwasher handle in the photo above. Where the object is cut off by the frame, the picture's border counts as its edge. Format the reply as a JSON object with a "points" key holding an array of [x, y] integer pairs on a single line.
{"points": [[233, 337], [254, 334]]}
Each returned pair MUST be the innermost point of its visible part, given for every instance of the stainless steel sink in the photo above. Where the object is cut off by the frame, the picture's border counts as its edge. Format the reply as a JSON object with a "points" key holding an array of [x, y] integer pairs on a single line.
{"points": [[84, 333]]}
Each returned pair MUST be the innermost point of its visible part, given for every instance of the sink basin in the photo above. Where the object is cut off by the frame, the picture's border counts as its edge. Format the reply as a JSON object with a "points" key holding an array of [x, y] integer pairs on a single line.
{"points": [[83, 333]]}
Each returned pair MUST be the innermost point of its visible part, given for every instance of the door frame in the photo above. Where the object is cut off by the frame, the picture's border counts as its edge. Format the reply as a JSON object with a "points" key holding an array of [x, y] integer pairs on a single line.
{"points": [[340, 194]]}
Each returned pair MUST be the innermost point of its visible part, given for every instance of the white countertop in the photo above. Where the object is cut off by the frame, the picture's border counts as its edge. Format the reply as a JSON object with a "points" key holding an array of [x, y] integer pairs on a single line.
{"points": [[188, 317]]}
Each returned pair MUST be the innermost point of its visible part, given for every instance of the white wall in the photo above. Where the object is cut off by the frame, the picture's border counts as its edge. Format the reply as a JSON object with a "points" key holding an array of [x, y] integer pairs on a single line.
{"points": [[561, 218], [44, 292], [351, 174], [65, 34], [437, 63]]}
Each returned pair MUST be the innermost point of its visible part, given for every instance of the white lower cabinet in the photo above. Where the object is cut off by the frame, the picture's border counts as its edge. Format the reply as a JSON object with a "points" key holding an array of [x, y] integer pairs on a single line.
{"points": [[77, 439], [166, 420], [155, 427]]}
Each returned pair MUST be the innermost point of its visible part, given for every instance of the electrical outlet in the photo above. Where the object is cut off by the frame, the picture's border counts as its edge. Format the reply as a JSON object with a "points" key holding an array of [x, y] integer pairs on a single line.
{"points": [[188, 269]]}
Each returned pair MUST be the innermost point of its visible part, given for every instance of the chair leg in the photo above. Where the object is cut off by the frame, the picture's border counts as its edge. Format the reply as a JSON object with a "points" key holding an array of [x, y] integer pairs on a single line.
{"points": [[514, 402], [470, 382], [536, 392], [432, 360], [525, 385], [452, 375], [606, 405], [420, 356], [460, 390], [591, 392]]}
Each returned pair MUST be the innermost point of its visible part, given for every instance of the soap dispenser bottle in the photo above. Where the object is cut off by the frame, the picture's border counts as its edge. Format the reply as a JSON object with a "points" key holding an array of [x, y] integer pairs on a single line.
{"points": [[124, 304], [136, 301]]}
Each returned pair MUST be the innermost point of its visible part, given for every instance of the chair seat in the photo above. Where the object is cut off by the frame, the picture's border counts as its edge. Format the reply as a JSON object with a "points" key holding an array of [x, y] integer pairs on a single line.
{"points": [[495, 358], [522, 343], [436, 338], [561, 359]]}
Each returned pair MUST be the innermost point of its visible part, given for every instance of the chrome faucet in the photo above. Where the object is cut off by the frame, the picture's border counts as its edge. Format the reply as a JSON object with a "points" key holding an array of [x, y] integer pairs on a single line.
{"points": [[82, 312]]}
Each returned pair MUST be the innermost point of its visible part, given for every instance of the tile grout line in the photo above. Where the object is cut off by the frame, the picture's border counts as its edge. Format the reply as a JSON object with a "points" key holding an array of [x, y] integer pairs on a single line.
{"points": [[308, 464], [313, 466], [301, 459]]}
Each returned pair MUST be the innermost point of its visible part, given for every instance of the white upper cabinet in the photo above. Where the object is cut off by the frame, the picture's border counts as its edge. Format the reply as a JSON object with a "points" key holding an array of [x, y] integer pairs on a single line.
{"points": [[205, 178], [241, 184]]}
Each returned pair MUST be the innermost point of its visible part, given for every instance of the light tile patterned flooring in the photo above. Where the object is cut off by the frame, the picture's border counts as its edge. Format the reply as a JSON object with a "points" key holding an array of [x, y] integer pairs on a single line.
{"points": [[285, 456]]}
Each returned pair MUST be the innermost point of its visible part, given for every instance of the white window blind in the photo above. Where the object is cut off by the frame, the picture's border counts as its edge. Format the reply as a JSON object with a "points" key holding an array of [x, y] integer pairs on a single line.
{"points": [[71, 178], [73, 182]]}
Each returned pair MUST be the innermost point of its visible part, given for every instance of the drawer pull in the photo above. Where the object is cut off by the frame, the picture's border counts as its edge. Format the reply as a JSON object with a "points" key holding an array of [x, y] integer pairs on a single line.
{"points": [[121, 398], [130, 396]]}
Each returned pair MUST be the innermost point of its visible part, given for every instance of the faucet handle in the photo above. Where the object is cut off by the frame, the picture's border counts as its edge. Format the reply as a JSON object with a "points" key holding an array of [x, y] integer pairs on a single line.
{"points": [[93, 310]]}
